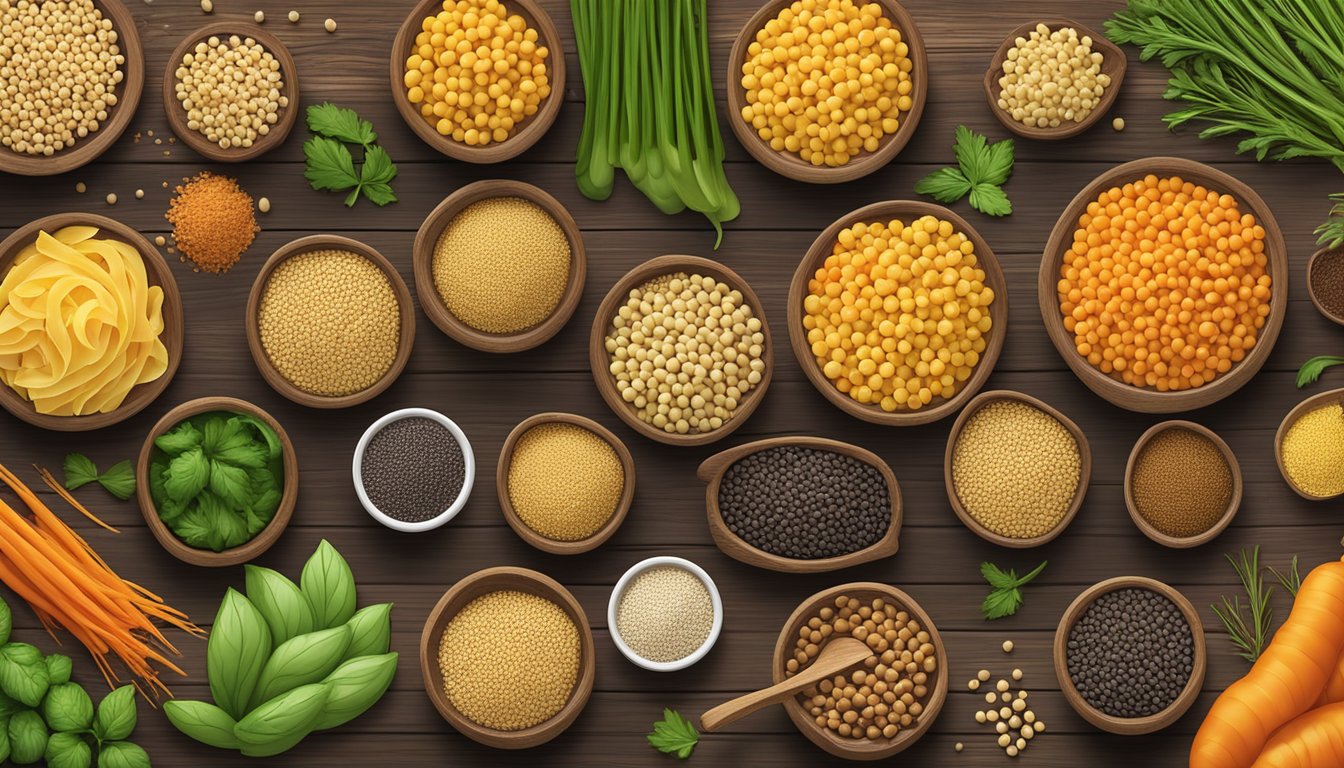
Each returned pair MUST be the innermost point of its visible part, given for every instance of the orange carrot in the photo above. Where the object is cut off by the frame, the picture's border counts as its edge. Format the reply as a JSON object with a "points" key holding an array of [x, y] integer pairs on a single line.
{"points": [[1285, 681], [1313, 740]]}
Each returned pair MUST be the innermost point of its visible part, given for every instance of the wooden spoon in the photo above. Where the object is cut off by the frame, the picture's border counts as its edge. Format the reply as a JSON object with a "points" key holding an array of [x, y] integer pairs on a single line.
{"points": [[836, 656]]}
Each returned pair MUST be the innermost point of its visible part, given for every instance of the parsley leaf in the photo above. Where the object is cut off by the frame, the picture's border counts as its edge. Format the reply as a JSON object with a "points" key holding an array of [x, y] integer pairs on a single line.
{"points": [[339, 123], [990, 200], [1006, 597], [981, 170], [231, 484], [329, 165], [674, 735], [79, 471], [972, 153], [998, 164], [119, 480], [378, 167], [946, 185], [186, 476]]}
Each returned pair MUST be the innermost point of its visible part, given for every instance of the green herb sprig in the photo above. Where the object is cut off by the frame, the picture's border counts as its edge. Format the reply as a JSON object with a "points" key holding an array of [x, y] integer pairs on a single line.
{"points": [[1311, 371], [1291, 580], [1248, 623], [981, 170], [674, 735], [330, 165], [1006, 597], [118, 480]]}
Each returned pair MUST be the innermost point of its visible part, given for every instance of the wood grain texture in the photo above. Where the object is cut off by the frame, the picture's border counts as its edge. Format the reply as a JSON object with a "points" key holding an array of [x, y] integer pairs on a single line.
{"points": [[489, 394]]}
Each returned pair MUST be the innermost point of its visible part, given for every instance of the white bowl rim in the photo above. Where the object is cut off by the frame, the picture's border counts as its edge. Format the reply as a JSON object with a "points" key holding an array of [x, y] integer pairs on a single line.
{"points": [[468, 479], [619, 589]]}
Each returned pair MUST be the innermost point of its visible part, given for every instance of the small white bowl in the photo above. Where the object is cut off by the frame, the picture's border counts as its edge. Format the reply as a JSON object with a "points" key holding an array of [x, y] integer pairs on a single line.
{"points": [[469, 474], [619, 589]]}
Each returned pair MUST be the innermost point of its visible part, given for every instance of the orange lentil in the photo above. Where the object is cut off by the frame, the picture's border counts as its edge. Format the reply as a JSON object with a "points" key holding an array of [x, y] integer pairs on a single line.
{"points": [[212, 220], [1166, 284]]}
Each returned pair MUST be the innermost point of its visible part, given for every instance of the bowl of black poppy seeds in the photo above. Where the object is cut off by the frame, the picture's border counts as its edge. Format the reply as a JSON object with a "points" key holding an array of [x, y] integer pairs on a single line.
{"points": [[413, 469], [802, 504], [1129, 655]]}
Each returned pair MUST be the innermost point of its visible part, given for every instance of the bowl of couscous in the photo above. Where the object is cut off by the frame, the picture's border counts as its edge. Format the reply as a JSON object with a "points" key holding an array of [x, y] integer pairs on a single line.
{"points": [[1309, 447]]}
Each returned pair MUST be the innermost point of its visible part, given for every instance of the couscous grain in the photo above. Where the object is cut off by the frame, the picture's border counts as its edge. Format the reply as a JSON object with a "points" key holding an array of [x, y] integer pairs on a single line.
{"points": [[564, 481], [1313, 451]]}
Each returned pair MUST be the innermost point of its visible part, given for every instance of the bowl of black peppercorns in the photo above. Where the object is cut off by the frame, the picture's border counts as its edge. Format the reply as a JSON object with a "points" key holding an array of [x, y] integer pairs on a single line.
{"points": [[1129, 654], [413, 470]]}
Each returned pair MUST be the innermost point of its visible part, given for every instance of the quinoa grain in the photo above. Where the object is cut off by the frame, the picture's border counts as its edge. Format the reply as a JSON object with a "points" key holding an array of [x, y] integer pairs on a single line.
{"points": [[665, 614]]}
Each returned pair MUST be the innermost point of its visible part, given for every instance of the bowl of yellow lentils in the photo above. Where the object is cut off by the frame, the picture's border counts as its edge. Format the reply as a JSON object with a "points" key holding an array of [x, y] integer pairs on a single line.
{"points": [[827, 91], [478, 80], [898, 312]]}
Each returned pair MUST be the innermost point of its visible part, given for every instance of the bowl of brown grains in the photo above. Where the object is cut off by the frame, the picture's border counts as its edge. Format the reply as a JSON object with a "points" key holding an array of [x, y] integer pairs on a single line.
{"points": [[1325, 283], [896, 628], [1182, 484], [213, 222], [414, 470], [329, 322], [665, 614]]}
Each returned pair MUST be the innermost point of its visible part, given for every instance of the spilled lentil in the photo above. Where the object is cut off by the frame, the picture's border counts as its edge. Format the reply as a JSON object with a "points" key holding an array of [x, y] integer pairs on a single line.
{"points": [[213, 222]]}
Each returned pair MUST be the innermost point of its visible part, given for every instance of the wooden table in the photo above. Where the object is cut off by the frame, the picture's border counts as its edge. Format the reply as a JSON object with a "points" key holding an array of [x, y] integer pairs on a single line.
{"points": [[488, 394]]}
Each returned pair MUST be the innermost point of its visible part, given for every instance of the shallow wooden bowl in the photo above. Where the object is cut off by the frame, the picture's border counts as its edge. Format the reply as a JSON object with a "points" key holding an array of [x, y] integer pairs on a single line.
{"points": [[860, 749], [273, 377], [1317, 258], [158, 273], [88, 149], [427, 239], [1149, 399], [1129, 726], [533, 128], [862, 164], [600, 361], [1084, 471], [506, 504], [177, 115], [1302, 409], [255, 546], [1182, 542], [1114, 64], [715, 467], [482, 583], [822, 247]]}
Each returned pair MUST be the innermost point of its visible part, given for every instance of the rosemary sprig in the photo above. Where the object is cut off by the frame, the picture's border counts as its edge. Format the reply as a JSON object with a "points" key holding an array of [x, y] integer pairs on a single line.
{"points": [[1247, 623], [1292, 580]]}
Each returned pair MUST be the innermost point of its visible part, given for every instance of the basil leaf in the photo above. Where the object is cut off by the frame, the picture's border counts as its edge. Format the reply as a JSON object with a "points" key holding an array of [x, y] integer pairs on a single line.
{"points": [[27, 738], [260, 514], [301, 660], [23, 674], [203, 722], [230, 484], [229, 435], [9, 706], [157, 492], [68, 750], [179, 439], [280, 603], [67, 707], [370, 631], [282, 722], [329, 586], [58, 668], [4, 737], [273, 447], [122, 754], [6, 622], [116, 715], [356, 686], [212, 433], [79, 471], [249, 456], [119, 479], [187, 475], [191, 526], [239, 644]]}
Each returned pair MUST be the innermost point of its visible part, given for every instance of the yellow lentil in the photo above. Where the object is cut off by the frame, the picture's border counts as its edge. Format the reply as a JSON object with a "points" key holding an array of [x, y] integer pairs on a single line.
{"points": [[1015, 469], [232, 90], [502, 265], [329, 322], [665, 614], [1313, 451], [509, 660], [564, 481], [1051, 78], [476, 72], [898, 314]]}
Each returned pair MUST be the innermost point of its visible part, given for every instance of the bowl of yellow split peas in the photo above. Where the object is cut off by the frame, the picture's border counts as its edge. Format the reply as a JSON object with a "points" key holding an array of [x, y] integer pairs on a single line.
{"points": [[898, 312], [478, 80]]}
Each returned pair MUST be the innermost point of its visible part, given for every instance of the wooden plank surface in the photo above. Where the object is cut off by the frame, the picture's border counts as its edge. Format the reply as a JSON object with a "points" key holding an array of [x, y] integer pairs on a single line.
{"points": [[488, 394]]}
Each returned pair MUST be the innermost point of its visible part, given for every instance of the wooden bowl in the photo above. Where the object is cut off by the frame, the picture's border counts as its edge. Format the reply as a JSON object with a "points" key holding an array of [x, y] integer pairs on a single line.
{"points": [[493, 580], [848, 748], [1114, 64], [600, 361], [1316, 258], [506, 504], [255, 546], [789, 164], [273, 377], [715, 467], [177, 115], [1182, 542], [1149, 399], [427, 239], [1302, 409], [614, 605], [119, 116], [1129, 726], [906, 210], [1084, 471], [533, 128], [158, 273]]}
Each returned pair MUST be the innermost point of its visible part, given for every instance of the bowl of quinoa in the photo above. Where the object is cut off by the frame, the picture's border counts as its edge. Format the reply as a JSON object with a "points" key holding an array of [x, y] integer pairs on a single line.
{"points": [[665, 614]]}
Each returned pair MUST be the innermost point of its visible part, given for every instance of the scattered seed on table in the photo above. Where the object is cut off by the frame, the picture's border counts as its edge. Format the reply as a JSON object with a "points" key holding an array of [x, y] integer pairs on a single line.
{"points": [[1130, 653], [1182, 483], [1007, 646], [264, 205], [139, 194], [293, 17], [259, 17], [1118, 123], [160, 240], [564, 481], [665, 614], [207, 6], [330, 25], [81, 187], [413, 469], [111, 198]]}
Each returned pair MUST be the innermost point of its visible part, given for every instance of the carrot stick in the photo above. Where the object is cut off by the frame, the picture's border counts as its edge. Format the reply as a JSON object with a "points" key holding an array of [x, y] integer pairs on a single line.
{"points": [[50, 480]]}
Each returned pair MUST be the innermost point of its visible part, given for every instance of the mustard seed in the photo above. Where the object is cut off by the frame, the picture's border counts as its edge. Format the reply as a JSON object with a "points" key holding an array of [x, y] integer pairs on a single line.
{"points": [[564, 481]]}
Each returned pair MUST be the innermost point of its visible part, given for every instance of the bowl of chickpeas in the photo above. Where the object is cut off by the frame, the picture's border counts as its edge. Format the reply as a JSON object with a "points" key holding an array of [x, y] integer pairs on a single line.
{"points": [[898, 312], [478, 80], [1164, 285], [791, 112], [903, 685]]}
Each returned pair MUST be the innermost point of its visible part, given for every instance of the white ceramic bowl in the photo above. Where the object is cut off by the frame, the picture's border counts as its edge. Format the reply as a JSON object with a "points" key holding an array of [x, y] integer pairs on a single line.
{"points": [[469, 474], [619, 589]]}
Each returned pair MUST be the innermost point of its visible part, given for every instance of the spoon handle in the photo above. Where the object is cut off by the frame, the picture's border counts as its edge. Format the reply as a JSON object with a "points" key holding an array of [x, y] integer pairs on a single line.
{"points": [[822, 668]]}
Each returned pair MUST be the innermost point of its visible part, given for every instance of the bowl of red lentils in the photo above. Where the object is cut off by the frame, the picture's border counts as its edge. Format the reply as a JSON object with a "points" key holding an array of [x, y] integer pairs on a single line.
{"points": [[413, 470], [664, 614], [902, 687]]}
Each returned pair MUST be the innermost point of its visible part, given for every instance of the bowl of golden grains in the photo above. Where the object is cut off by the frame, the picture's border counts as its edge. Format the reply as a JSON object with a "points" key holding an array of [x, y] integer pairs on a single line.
{"points": [[1182, 484], [329, 322], [1309, 447], [565, 482], [507, 657], [499, 266], [470, 107], [1016, 469]]}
